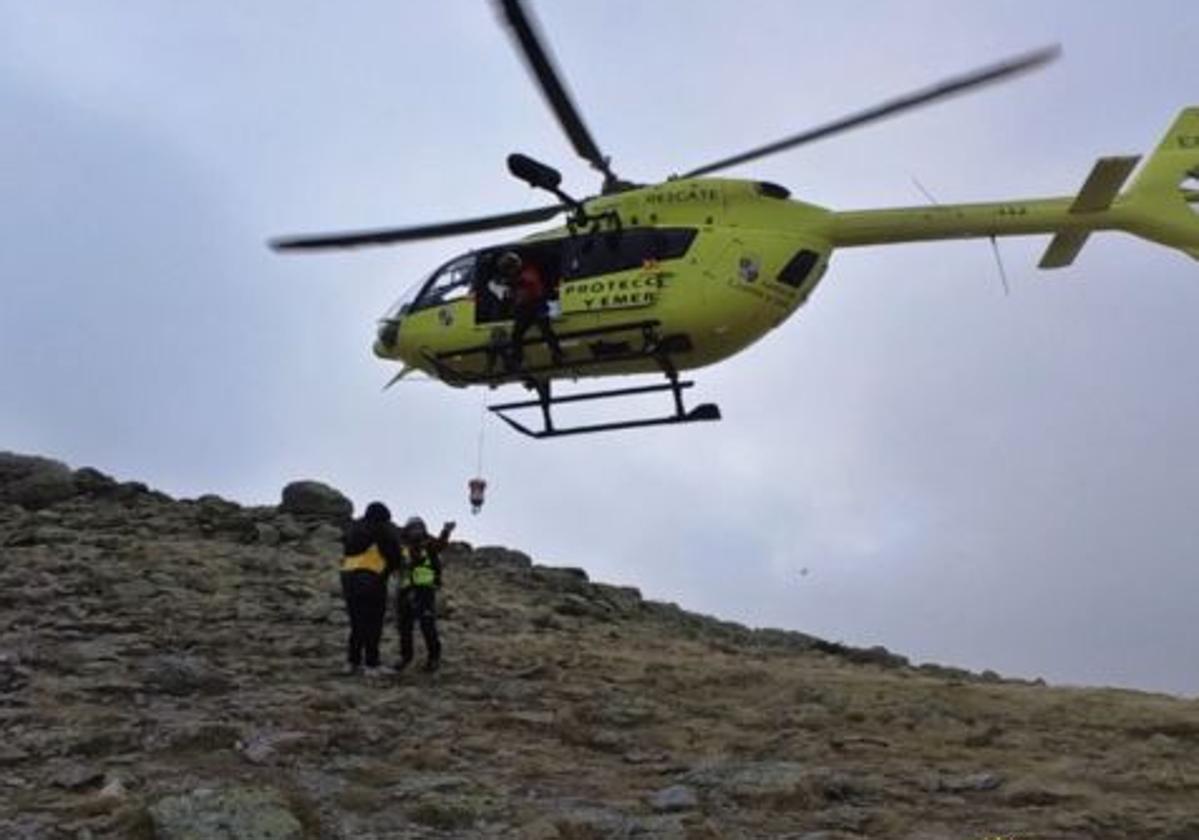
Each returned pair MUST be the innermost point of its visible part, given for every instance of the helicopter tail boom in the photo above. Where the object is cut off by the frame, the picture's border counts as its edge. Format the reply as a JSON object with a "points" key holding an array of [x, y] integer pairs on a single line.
{"points": [[1162, 205]]}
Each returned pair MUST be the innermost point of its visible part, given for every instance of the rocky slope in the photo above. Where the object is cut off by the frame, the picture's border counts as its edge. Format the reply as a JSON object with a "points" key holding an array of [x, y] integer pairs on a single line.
{"points": [[168, 669]]}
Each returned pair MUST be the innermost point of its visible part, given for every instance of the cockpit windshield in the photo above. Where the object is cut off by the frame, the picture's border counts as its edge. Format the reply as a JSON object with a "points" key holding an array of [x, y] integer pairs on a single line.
{"points": [[401, 306], [445, 285], [449, 283]]}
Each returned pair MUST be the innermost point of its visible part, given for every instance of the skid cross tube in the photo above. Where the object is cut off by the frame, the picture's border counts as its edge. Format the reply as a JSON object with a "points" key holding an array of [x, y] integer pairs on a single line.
{"points": [[545, 401]]}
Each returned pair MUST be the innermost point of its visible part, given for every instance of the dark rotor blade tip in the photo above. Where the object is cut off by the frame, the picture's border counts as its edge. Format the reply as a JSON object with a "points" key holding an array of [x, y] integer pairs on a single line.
{"points": [[542, 68], [940, 90], [388, 236]]}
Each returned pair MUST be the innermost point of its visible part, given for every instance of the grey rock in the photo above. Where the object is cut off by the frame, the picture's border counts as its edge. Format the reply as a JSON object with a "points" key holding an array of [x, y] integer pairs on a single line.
{"points": [[13, 676], [289, 529], [53, 535], [567, 578], [314, 499], [623, 599], [182, 675], [586, 820], [34, 482], [493, 555], [92, 481], [674, 798], [10, 755], [77, 777], [968, 783], [265, 747], [238, 812], [129, 490], [265, 534], [780, 784], [546, 621], [325, 535], [578, 606], [114, 788]]}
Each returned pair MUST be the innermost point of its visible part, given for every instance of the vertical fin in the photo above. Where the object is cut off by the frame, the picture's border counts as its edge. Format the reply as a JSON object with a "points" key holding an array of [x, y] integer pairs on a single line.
{"points": [[1161, 202]]}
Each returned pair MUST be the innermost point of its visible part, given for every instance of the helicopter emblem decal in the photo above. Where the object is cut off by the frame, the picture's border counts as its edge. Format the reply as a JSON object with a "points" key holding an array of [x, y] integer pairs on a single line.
{"points": [[749, 267]]}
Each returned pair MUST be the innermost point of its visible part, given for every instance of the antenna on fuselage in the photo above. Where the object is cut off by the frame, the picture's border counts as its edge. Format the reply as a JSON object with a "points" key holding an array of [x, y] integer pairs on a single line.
{"points": [[994, 242]]}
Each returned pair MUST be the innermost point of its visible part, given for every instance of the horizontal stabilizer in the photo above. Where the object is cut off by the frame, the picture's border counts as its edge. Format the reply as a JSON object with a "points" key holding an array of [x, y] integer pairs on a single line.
{"points": [[1063, 248], [1100, 190]]}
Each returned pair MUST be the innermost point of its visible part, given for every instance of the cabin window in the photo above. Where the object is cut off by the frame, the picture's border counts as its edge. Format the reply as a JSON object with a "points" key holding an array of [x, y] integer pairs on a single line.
{"points": [[772, 190], [796, 271], [612, 251]]}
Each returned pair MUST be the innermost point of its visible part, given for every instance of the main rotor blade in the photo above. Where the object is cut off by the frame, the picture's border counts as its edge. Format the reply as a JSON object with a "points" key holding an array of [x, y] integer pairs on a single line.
{"points": [[941, 90], [542, 68], [389, 236]]}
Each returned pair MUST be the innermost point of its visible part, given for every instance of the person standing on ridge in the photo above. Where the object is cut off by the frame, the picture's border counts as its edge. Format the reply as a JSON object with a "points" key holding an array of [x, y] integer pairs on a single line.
{"points": [[416, 599], [372, 551]]}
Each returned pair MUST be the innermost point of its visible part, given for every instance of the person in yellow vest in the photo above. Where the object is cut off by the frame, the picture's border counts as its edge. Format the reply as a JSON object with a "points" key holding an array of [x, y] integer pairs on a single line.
{"points": [[372, 552], [416, 599]]}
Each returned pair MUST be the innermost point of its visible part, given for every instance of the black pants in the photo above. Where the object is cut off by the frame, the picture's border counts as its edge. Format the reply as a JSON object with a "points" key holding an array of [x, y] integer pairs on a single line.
{"points": [[527, 316], [413, 604], [366, 602]]}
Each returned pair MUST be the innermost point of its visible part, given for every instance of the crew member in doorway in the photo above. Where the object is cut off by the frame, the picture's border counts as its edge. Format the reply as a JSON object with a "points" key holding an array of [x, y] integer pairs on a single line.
{"points": [[372, 551], [416, 599], [530, 294]]}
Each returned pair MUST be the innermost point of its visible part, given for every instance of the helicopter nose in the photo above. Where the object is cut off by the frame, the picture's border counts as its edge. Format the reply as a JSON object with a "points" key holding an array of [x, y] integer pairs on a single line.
{"points": [[386, 338]]}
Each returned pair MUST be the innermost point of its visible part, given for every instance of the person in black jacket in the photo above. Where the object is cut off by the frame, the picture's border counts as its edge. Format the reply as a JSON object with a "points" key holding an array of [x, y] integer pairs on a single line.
{"points": [[416, 599], [372, 552]]}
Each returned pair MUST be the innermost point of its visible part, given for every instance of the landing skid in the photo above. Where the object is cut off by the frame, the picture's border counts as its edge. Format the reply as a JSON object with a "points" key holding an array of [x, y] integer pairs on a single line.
{"points": [[648, 345], [545, 401], [639, 341]]}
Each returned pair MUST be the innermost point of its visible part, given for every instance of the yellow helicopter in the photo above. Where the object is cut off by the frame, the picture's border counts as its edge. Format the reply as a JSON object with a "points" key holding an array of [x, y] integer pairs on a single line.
{"points": [[673, 276]]}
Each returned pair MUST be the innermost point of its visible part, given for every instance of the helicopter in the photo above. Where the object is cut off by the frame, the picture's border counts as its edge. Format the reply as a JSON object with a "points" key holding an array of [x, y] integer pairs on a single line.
{"points": [[672, 276]]}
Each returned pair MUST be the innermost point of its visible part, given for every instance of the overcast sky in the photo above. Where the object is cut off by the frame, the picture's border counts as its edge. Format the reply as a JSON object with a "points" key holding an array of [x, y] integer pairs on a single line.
{"points": [[991, 481]]}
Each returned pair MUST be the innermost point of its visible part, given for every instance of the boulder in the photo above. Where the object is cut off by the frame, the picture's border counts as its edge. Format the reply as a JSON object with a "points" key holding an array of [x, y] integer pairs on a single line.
{"points": [[265, 534], [92, 481], [217, 814], [317, 500], [183, 675], [494, 555], [34, 482]]}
